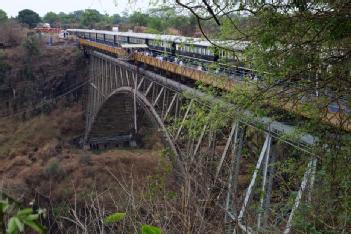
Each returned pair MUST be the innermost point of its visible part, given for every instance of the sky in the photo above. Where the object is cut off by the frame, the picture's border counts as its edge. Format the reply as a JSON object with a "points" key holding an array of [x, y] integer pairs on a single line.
{"points": [[12, 7]]}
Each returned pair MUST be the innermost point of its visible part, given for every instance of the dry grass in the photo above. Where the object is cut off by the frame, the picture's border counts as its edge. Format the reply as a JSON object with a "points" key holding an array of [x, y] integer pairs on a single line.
{"points": [[12, 33], [70, 182], [38, 134], [37, 162]]}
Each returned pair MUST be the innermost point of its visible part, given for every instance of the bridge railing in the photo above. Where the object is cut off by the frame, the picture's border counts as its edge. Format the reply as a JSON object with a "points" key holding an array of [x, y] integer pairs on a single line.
{"points": [[338, 119]]}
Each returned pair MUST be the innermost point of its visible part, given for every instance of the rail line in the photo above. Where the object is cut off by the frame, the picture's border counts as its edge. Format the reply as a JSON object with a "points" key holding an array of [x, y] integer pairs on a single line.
{"points": [[338, 119]]}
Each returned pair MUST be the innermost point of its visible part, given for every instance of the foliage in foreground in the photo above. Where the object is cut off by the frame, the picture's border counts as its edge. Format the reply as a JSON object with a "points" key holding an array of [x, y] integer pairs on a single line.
{"points": [[19, 219], [301, 52], [145, 229]]}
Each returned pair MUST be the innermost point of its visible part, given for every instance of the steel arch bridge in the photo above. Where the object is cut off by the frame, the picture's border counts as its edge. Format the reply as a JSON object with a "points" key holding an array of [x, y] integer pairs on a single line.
{"points": [[119, 93]]}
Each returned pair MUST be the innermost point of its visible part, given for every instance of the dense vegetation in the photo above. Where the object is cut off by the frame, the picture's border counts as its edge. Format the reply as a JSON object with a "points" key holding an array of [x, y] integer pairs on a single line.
{"points": [[302, 49]]}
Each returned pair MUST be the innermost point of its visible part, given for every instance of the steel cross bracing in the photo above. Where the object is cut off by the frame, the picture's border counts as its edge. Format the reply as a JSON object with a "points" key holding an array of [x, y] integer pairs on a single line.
{"points": [[247, 204]]}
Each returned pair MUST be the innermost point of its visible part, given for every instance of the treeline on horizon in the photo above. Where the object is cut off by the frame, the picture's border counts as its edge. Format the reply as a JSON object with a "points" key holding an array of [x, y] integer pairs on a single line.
{"points": [[156, 20]]}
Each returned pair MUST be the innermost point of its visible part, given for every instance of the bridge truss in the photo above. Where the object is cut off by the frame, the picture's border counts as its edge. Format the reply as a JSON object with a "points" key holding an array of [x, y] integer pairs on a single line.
{"points": [[245, 183]]}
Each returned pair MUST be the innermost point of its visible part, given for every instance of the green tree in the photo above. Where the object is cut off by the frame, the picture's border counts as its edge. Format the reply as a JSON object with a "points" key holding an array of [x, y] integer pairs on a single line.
{"points": [[117, 19], [28, 17], [31, 46], [52, 18], [90, 18], [156, 23], [139, 18], [64, 19], [105, 22], [77, 15], [3, 16], [69, 20]]}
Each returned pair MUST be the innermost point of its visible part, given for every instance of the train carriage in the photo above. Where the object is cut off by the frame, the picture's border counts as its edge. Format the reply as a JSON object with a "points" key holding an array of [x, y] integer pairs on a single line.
{"points": [[169, 51], [174, 45]]}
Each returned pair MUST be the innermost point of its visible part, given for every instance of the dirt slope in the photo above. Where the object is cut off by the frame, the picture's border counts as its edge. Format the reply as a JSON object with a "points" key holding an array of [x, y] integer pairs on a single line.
{"points": [[36, 156]]}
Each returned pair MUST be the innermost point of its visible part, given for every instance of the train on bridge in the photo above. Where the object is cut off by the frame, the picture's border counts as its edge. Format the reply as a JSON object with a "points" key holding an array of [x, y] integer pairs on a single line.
{"points": [[196, 48], [191, 58], [196, 53]]}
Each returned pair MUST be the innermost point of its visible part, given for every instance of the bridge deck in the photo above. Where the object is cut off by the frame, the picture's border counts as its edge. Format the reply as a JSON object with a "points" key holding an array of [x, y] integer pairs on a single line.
{"points": [[338, 119]]}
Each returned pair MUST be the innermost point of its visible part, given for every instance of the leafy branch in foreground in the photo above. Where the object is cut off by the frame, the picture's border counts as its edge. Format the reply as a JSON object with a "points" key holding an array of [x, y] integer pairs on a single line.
{"points": [[19, 218], [117, 217], [302, 48]]}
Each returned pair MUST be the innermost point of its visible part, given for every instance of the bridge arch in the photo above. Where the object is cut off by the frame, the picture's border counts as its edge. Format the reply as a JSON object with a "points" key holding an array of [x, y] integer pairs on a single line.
{"points": [[161, 100], [141, 100]]}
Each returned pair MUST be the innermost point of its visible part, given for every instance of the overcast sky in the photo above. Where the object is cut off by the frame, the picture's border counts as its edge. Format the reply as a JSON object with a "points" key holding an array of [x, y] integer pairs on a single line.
{"points": [[12, 7]]}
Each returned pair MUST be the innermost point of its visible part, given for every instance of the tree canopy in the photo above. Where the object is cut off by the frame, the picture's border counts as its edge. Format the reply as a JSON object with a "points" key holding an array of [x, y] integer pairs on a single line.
{"points": [[138, 18], [29, 17], [52, 18], [117, 19], [301, 45], [3, 16], [90, 18], [301, 50], [156, 20]]}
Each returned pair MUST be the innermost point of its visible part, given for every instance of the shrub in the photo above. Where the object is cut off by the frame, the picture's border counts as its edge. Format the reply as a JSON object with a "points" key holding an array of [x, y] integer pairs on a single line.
{"points": [[53, 169], [85, 159], [31, 46]]}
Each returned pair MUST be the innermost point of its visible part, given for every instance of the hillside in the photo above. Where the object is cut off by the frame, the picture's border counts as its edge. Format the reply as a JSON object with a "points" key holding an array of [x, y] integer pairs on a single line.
{"points": [[31, 72], [38, 163], [42, 113]]}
